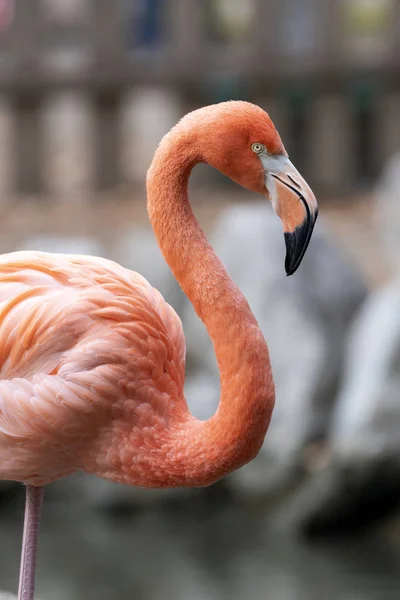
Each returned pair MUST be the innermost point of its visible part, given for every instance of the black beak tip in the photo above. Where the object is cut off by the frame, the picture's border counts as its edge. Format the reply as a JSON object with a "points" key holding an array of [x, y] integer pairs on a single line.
{"points": [[290, 270], [297, 243], [291, 262]]}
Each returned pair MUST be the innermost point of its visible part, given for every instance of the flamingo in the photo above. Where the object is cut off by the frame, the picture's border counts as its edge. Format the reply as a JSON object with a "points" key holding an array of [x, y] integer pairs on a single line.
{"points": [[92, 358]]}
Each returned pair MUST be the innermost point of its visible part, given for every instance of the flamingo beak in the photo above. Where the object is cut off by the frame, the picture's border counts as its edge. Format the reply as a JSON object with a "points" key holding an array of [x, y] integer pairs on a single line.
{"points": [[295, 204]]}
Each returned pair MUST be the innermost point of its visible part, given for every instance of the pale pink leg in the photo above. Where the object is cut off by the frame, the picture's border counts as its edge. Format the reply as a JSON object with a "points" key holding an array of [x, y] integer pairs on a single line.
{"points": [[33, 505]]}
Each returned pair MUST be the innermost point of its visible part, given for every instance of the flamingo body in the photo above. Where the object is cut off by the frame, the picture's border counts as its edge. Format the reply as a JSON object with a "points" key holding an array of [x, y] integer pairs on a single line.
{"points": [[92, 359]]}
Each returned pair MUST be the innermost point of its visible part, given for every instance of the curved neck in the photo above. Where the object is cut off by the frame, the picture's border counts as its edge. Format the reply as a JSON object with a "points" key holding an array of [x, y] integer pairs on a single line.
{"points": [[236, 432]]}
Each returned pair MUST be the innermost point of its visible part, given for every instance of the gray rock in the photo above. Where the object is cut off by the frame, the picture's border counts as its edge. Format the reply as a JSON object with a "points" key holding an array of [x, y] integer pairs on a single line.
{"points": [[360, 485], [366, 423], [304, 319], [342, 499], [388, 212], [137, 249], [202, 392]]}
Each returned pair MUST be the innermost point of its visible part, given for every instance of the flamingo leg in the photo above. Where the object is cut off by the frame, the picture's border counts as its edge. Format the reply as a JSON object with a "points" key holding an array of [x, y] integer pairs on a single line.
{"points": [[33, 506]]}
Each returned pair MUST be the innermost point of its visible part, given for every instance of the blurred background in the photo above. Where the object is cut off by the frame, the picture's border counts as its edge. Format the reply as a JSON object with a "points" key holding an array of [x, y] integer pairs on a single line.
{"points": [[87, 90]]}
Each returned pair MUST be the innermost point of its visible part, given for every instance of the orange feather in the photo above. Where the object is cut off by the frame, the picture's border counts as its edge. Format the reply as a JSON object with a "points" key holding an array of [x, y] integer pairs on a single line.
{"points": [[92, 358]]}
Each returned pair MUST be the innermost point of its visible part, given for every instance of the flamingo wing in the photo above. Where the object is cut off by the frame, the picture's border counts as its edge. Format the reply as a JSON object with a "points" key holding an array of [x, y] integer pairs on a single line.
{"points": [[81, 339]]}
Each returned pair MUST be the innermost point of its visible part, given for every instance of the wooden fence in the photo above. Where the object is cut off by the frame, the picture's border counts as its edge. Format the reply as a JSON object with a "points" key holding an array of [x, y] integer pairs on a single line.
{"points": [[87, 88]]}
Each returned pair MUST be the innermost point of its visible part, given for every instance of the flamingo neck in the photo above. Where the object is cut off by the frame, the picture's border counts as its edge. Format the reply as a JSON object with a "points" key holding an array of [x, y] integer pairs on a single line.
{"points": [[209, 450]]}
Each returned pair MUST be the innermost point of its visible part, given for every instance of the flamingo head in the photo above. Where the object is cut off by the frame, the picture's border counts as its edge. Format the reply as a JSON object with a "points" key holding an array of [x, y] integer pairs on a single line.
{"points": [[240, 140]]}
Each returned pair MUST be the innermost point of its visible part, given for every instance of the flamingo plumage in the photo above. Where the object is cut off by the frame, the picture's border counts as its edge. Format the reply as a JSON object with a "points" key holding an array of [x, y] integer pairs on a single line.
{"points": [[92, 358]]}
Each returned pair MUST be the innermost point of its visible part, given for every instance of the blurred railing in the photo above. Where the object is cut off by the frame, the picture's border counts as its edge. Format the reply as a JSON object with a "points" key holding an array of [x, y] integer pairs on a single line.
{"points": [[89, 86]]}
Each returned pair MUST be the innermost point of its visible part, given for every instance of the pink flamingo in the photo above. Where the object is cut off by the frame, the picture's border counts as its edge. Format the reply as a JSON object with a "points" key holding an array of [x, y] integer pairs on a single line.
{"points": [[92, 358]]}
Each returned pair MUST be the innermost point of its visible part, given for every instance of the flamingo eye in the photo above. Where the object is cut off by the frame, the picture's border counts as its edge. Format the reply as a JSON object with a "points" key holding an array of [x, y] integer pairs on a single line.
{"points": [[258, 148]]}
